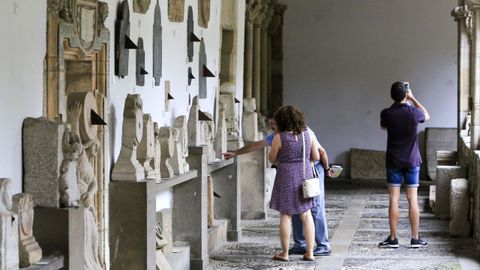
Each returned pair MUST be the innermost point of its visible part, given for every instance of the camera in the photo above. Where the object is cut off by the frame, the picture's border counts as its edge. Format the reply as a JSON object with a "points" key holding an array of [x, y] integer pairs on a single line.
{"points": [[407, 85]]}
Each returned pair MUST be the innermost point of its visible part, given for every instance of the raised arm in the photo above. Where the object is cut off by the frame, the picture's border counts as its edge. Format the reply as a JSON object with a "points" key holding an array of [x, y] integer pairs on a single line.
{"points": [[417, 104], [246, 149]]}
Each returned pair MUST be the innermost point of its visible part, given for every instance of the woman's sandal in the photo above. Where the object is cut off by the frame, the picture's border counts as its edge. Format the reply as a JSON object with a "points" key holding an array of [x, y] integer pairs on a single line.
{"points": [[310, 259], [277, 257]]}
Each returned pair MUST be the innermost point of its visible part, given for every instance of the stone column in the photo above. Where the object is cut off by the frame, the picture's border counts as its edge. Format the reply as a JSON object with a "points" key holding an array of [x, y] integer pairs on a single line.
{"points": [[250, 16], [256, 62], [267, 17], [475, 80], [463, 17]]}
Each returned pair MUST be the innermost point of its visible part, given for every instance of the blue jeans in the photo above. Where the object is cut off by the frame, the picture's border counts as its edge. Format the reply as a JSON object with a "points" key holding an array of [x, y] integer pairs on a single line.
{"points": [[410, 176], [319, 219]]}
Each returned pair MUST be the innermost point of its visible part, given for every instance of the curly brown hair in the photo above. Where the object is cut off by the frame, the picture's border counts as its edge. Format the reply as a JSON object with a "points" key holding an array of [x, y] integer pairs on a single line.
{"points": [[289, 118]]}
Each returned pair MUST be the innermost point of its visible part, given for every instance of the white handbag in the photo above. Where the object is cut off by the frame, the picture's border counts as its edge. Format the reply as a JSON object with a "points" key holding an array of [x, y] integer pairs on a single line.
{"points": [[310, 187]]}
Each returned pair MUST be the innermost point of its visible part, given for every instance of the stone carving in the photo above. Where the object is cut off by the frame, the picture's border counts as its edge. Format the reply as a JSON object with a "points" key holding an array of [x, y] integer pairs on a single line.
{"points": [[167, 97], [202, 79], [177, 159], [67, 183], [181, 124], [220, 145], [102, 13], [146, 148], [30, 251], [157, 44], [208, 136], [459, 224], [190, 33], [194, 127], [8, 228], [166, 142], [250, 118], [87, 186], [227, 99], [127, 167], [140, 70], [141, 6], [122, 27], [203, 13], [176, 9], [157, 152]]}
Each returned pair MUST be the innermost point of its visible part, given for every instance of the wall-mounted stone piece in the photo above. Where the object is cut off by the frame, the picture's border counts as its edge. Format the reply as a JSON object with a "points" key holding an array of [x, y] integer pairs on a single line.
{"points": [[203, 13], [176, 10], [168, 99], [220, 145], [141, 6], [372, 159], [190, 33], [42, 157], [30, 251], [8, 228], [146, 148], [227, 100], [122, 33], [177, 160], [140, 71], [157, 44], [127, 167], [208, 136], [202, 79]]}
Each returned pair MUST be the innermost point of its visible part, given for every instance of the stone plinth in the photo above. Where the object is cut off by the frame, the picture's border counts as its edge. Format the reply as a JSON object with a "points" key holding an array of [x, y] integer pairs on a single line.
{"points": [[42, 157], [217, 235], [132, 225], [459, 208], [445, 174], [367, 164], [164, 219], [252, 171], [179, 259], [438, 139], [68, 225]]}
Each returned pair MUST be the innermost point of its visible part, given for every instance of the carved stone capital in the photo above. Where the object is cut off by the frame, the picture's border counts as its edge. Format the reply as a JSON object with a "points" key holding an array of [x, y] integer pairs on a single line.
{"points": [[463, 14]]}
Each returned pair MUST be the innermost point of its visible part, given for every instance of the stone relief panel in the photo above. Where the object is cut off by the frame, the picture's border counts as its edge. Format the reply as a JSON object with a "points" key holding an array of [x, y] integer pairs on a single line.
{"points": [[30, 251], [122, 33], [203, 13], [8, 227], [194, 128], [190, 34], [227, 100], [141, 6], [221, 134], [176, 9], [157, 44], [127, 167], [140, 69]]}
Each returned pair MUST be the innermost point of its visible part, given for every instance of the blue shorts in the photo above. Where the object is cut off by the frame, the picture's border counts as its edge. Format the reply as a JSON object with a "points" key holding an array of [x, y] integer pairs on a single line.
{"points": [[410, 176]]}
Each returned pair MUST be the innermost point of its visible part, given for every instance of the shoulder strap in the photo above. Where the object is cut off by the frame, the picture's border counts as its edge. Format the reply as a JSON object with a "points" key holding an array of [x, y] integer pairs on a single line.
{"points": [[303, 157]]}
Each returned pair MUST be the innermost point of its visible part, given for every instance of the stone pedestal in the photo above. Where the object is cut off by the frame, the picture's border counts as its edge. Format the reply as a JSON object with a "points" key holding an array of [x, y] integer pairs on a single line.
{"points": [[189, 217], [8, 242], [459, 208], [252, 173], [438, 139], [445, 174], [69, 234], [132, 225], [226, 183]]}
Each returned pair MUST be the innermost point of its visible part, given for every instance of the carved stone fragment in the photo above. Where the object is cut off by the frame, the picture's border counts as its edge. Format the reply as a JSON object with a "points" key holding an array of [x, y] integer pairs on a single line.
{"points": [[140, 70], [122, 32], [181, 124], [157, 44], [141, 6], [194, 128], [203, 13], [176, 9], [8, 228], [202, 79], [155, 163], [146, 148], [30, 251], [221, 134], [177, 160], [166, 142], [250, 120], [190, 33], [127, 167]]}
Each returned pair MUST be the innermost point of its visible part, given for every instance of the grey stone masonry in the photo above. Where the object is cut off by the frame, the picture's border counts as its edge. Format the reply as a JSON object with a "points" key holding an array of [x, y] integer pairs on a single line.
{"points": [[42, 156], [459, 208], [438, 139], [445, 174], [367, 164]]}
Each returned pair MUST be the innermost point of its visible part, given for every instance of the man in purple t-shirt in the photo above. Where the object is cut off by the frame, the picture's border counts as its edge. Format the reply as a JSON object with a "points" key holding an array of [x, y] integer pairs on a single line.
{"points": [[403, 159]]}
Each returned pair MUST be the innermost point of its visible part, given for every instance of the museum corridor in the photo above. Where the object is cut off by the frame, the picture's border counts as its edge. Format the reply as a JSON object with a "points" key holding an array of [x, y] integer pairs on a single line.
{"points": [[357, 213]]}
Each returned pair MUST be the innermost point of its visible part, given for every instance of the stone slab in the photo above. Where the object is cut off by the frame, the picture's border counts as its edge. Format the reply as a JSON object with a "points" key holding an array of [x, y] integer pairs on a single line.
{"points": [[51, 262], [367, 164], [252, 171], [179, 258], [217, 235], [438, 139]]}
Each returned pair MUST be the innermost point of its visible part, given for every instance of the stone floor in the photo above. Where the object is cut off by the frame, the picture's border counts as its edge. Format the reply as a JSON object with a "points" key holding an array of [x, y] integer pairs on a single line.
{"points": [[357, 213]]}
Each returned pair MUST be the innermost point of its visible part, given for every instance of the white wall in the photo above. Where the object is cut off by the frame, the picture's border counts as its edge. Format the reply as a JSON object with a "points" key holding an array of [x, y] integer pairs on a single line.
{"points": [[341, 57], [21, 72]]}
